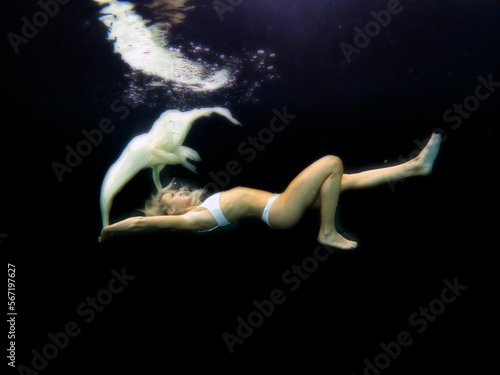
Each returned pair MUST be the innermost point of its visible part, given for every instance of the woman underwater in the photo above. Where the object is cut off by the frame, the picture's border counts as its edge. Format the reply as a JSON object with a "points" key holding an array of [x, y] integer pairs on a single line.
{"points": [[317, 186]]}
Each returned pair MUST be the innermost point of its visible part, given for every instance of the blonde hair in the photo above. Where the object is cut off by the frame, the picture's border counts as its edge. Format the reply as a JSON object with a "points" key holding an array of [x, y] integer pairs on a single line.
{"points": [[156, 207]]}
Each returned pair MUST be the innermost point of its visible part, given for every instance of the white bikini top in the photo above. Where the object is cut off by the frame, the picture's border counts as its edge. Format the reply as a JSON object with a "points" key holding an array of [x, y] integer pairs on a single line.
{"points": [[212, 205]]}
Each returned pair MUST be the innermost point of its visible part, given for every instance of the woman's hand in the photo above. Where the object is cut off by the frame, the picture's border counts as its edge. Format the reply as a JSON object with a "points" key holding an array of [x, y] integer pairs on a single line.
{"points": [[128, 225], [105, 235]]}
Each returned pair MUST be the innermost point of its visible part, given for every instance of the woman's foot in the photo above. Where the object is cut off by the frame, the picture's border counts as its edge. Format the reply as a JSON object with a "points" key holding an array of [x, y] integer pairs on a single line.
{"points": [[336, 240], [424, 162]]}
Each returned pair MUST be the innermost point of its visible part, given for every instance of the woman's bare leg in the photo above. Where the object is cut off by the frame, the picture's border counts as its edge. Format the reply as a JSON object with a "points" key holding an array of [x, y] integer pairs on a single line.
{"points": [[322, 179], [419, 166], [329, 196], [320, 184]]}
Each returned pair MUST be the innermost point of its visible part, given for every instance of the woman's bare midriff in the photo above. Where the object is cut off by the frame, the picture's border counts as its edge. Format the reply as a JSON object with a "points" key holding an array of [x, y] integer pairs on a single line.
{"points": [[243, 202]]}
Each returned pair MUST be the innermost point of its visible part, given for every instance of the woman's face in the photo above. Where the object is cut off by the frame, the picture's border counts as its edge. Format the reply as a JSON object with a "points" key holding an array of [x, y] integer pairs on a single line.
{"points": [[176, 203]]}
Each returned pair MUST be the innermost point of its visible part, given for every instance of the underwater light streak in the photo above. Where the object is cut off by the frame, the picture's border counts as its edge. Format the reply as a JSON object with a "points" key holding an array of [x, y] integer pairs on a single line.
{"points": [[171, 10], [143, 49]]}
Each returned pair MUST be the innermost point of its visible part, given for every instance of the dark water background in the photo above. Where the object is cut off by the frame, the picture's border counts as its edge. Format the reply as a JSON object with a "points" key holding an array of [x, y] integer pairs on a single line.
{"points": [[188, 289]]}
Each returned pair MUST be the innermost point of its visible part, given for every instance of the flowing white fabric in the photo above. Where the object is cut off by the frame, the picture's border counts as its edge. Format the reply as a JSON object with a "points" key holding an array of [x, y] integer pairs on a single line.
{"points": [[162, 145]]}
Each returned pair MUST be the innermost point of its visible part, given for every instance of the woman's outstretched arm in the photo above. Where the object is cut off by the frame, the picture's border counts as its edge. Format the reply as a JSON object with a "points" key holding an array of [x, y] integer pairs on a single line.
{"points": [[188, 221]]}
